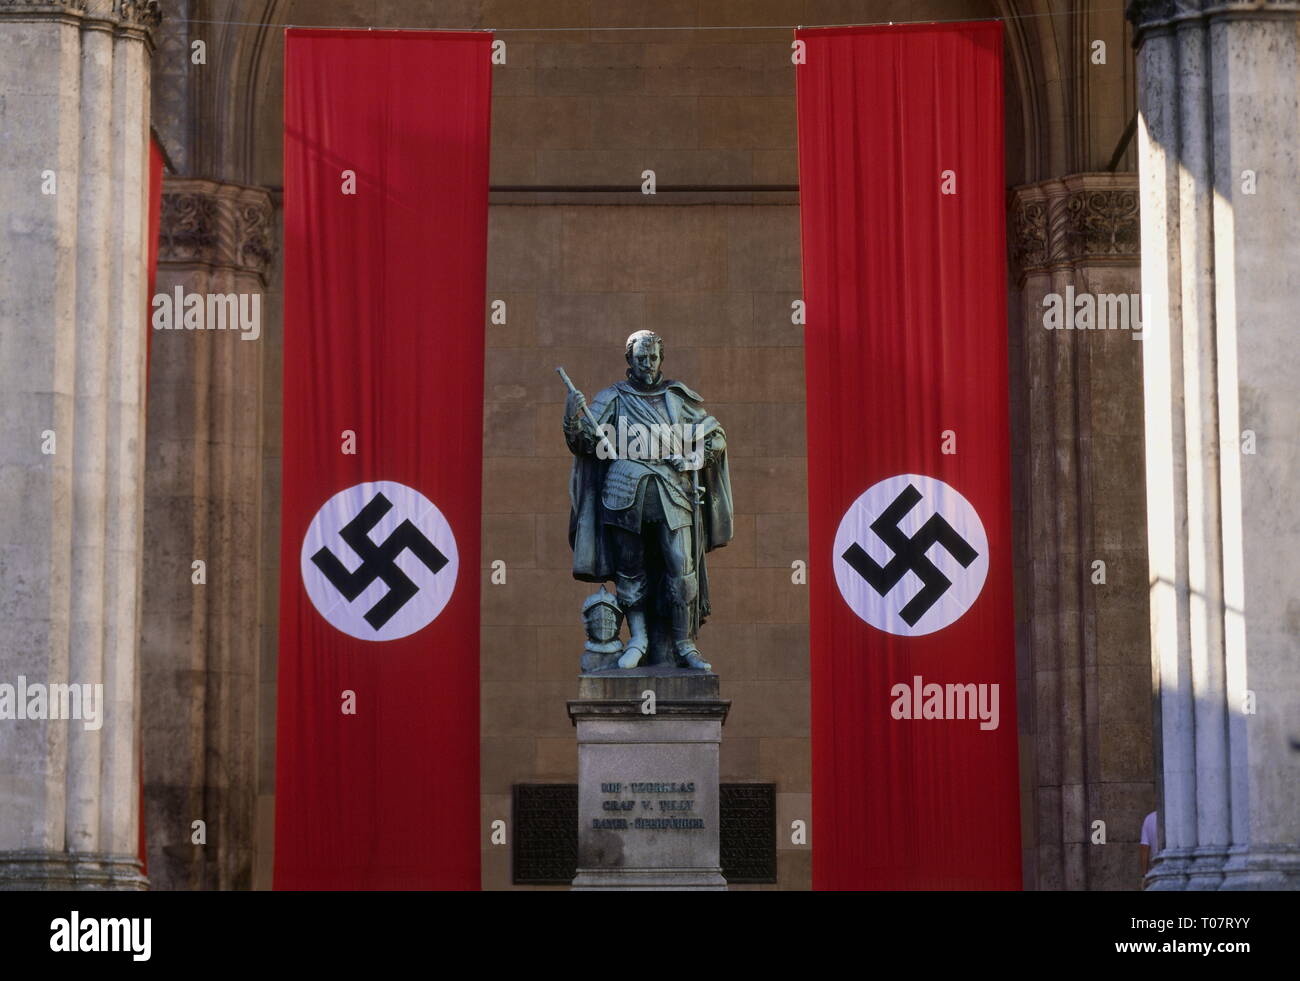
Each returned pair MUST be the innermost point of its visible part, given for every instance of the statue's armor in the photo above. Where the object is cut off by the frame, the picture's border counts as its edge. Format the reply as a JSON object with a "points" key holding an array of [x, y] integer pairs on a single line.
{"points": [[628, 481], [642, 523], [643, 498]]}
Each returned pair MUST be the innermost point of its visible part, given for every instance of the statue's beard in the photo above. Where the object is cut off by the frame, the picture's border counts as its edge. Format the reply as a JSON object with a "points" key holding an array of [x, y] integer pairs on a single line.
{"points": [[640, 378]]}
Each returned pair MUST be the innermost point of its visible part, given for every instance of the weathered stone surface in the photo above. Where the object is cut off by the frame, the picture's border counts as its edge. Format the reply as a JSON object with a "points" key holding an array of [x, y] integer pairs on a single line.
{"points": [[74, 84], [619, 747], [1219, 164], [1088, 729], [670, 685], [201, 651], [62, 871]]}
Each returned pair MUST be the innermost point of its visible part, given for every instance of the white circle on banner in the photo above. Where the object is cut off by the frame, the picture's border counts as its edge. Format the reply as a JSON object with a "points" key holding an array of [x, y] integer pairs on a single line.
{"points": [[379, 561], [924, 563]]}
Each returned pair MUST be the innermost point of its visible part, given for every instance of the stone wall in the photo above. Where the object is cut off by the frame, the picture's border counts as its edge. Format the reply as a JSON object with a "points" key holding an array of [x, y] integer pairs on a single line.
{"points": [[716, 281]]}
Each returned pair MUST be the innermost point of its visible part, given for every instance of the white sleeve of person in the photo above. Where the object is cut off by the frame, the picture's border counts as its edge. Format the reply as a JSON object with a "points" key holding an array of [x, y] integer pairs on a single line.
{"points": [[1149, 832]]}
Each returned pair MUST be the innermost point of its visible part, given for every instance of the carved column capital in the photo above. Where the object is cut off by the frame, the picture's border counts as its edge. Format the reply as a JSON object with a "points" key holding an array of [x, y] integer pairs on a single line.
{"points": [[30, 10], [1150, 16], [140, 13], [1092, 218], [137, 18], [210, 223]]}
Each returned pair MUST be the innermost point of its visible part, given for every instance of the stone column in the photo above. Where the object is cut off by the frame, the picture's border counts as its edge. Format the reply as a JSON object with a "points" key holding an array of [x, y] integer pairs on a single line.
{"points": [[1083, 657], [74, 131], [201, 641], [1219, 139]]}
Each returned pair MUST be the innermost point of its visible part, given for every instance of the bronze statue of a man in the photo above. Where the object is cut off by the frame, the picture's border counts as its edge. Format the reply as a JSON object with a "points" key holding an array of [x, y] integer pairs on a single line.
{"points": [[650, 495]]}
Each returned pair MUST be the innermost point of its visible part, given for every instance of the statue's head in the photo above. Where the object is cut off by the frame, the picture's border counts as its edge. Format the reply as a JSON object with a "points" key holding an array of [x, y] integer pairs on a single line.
{"points": [[645, 356]]}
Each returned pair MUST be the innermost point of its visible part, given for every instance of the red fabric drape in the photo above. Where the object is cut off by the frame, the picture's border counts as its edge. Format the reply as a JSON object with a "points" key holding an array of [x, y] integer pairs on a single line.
{"points": [[151, 276], [155, 219], [906, 360], [385, 245]]}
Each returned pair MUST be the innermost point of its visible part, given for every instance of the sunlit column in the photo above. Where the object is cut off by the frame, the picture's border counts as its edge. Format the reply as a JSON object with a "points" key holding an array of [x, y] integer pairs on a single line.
{"points": [[1219, 166]]}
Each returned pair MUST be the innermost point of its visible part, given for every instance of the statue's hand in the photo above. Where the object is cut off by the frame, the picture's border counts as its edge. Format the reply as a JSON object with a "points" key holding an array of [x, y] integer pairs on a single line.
{"points": [[714, 447], [693, 462], [575, 421]]}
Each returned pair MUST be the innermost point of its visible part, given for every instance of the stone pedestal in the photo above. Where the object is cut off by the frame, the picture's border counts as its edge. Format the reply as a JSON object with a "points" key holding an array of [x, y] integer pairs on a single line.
{"points": [[648, 743]]}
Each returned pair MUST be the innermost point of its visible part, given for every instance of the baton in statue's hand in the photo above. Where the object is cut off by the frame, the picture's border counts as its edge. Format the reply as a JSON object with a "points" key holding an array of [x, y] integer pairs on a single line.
{"points": [[609, 449]]}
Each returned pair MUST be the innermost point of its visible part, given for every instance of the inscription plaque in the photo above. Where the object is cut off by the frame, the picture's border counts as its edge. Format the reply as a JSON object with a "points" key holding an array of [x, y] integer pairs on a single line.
{"points": [[546, 828], [748, 832]]}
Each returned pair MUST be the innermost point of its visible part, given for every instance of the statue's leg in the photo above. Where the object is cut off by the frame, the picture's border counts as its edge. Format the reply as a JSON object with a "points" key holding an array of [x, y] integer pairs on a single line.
{"points": [[630, 579], [683, 592]]}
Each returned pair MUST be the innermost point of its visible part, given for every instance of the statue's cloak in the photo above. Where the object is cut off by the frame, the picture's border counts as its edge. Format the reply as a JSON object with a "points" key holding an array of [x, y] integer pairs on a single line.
{"points": [[593, 553]]}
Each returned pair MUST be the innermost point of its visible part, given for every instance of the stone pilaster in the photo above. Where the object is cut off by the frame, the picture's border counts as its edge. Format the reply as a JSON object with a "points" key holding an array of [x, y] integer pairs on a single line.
{"points": [[1219, 139], [74, 179], [1083, 660], [201, 642]]}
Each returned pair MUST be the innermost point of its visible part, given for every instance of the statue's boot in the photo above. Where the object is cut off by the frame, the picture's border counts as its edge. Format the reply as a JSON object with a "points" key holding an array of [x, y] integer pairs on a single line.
{"points": [[690, 655], [687, 653], [637, 644]]}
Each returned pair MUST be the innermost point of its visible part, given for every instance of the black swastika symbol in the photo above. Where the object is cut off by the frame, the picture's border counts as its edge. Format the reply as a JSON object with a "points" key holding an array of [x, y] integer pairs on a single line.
{"points": [[909, 554], [377, 561]]}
